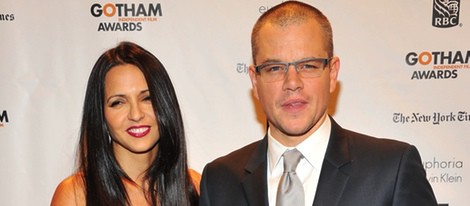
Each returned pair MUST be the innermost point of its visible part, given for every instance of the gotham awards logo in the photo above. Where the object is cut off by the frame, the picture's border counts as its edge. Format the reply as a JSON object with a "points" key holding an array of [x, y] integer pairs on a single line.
{"points": [[125, 16], [445, 13]]}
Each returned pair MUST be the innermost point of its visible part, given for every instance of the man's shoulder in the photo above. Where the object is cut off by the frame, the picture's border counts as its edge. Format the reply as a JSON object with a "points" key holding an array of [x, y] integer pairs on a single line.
{"points": [[353, 138], [364, 142], [365, 138], [237, 158]]}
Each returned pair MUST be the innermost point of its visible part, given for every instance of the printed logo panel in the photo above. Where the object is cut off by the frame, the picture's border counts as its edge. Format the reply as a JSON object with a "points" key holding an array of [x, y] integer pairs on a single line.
{"points": [[445, 13]]}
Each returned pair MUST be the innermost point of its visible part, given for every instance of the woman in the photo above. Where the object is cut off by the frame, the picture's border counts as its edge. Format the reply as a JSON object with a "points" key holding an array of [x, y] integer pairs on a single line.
{"points": [[132, 148]]}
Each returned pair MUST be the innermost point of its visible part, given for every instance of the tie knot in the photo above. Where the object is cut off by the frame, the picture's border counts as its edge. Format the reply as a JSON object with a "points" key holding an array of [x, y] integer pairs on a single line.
{"points": [[291, 159]]}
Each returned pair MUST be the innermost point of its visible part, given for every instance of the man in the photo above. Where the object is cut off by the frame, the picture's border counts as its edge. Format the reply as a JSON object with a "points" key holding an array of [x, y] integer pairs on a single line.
{"points": [[295, 75]]}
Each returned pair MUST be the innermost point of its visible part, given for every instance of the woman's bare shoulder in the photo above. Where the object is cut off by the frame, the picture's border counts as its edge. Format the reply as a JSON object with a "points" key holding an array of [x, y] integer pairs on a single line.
{"points": [[71, 191], [195, 177]]}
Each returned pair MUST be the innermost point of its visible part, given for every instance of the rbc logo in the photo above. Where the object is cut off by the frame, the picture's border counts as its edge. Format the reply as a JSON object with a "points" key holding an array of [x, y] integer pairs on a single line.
{"points": [[445, 13]]}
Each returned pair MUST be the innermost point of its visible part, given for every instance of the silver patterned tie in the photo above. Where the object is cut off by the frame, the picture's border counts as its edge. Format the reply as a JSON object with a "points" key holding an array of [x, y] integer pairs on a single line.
{"points": [[290, 191]]}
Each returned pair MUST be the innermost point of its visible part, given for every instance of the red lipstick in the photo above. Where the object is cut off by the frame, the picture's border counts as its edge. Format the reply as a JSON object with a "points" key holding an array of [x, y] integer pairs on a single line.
{"points": [[138, 131]]}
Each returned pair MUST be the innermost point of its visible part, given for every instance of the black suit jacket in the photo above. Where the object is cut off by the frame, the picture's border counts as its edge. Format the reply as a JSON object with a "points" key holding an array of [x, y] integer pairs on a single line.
{"points": [[357, 170]]}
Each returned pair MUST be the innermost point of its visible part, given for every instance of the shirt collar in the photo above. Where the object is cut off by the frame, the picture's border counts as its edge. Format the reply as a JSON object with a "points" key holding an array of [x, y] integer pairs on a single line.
{"points": [[312, 148]]}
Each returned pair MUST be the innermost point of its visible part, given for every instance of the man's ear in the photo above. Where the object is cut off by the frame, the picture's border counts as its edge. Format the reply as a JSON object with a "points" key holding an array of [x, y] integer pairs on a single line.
{"points": [[334, 65], [254, 82]]}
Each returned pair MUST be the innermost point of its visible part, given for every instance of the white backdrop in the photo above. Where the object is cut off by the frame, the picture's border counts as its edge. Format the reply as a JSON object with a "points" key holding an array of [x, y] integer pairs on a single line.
{"points": [[47, 50]]}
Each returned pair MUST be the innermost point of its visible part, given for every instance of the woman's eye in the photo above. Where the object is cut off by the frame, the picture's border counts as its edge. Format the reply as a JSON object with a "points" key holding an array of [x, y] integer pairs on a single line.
{"points": [[147, 98], [115, 103]]}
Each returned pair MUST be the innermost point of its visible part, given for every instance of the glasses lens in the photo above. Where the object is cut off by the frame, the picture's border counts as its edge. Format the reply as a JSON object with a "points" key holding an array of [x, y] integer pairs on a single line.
{"points": [[273, 72], [311, 68]]}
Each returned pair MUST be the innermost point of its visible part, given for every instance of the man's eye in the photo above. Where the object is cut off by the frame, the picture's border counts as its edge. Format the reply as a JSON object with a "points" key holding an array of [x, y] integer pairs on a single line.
{"points": [[309, 66], [273, 68]]}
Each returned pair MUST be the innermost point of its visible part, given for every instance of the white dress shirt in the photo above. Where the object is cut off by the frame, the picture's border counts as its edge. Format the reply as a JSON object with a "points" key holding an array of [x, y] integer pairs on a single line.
{"points": [[313, 150]]}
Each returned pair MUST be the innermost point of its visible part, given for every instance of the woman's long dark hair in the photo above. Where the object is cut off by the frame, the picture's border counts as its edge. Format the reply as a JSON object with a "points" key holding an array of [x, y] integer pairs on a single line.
{"points": [[169, 181]]}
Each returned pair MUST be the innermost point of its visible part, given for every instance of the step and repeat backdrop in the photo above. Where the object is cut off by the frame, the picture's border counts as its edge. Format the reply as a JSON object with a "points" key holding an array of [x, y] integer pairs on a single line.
{"points": [[405, 75]]}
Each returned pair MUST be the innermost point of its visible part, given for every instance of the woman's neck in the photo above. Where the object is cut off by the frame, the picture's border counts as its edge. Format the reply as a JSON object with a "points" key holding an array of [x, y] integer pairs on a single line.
{"points": [[135, 165]]}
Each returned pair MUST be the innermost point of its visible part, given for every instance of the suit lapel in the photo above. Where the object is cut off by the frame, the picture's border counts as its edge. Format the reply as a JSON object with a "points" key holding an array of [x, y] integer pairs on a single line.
{"points": [[335, 169], [255, 185]]}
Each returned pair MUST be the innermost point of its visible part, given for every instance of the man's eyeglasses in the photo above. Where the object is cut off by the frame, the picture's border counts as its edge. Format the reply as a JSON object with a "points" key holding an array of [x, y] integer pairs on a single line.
{"points": [[306, 68]]}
